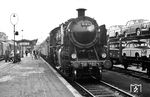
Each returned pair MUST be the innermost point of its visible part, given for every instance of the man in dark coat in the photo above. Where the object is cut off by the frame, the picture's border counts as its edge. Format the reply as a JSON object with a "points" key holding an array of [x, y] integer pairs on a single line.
{"points": [[26, 52], [6, 57], [148, 67]]}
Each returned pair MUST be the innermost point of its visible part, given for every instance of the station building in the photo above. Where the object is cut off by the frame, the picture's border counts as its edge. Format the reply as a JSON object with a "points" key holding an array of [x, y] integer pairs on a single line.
{"points": [[26, 45]]}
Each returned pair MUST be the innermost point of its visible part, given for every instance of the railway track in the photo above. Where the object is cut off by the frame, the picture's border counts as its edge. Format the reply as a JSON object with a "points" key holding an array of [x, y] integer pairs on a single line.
{"points": [[93, 88], [131, 72], [101, 89]]}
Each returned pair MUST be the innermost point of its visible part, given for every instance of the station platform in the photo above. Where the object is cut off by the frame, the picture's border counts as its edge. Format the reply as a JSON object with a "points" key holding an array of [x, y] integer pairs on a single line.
{"points": [[134, 68], [33, 78]]}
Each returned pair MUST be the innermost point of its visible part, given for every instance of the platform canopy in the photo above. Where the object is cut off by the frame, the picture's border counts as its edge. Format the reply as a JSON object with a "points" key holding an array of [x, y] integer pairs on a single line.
{"points": [[31, 42]]}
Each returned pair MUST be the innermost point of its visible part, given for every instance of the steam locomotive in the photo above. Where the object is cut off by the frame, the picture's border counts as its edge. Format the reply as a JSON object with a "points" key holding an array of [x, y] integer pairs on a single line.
{"points": [[78, 47]]}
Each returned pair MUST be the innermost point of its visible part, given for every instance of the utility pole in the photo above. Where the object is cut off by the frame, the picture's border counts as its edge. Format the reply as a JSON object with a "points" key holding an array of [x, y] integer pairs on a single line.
{"points": [[14, 21]]}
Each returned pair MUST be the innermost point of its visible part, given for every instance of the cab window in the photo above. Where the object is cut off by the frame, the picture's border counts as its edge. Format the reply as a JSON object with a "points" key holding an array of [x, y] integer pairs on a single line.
{"points": [[131, 23], [128, 23]]}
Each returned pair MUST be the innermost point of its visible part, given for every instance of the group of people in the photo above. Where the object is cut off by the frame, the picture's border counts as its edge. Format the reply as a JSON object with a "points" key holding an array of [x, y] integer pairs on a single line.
{"points": [[35, 54], [9, 56]]}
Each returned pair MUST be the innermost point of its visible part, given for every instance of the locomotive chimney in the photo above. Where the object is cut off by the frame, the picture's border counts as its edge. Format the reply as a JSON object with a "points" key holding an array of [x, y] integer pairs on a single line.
{"points": [[81, 12]]}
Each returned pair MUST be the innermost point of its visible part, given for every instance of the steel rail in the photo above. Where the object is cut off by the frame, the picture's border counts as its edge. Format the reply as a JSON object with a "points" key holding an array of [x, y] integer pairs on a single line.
{"points": [[117, 90]]}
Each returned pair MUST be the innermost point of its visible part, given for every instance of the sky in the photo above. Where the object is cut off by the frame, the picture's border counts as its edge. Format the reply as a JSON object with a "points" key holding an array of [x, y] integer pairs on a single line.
{"points": [[36, 18]]}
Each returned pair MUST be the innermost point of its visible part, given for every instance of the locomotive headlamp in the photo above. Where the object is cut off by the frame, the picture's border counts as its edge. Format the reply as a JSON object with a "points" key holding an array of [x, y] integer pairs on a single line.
{"points": [[74, 56], [99, 30], [103, 55]]}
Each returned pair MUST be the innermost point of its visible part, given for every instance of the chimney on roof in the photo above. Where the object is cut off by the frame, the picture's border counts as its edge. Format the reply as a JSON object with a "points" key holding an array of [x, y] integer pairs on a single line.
{"points": [[81, 12]]}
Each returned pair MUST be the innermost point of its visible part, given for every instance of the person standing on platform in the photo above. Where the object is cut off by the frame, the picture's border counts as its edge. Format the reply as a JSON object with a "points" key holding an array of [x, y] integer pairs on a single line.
{"points": [[6, 57], [148, 67], [12, 55], [125, 63], [148, 70], [26, 53], [144, 62], [37, 54], [34, 54], [137, 60]]}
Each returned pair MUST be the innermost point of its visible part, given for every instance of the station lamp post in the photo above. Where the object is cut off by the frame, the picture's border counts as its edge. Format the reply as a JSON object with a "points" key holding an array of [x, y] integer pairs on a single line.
{"points": [[22, 45], [14, 21]]}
